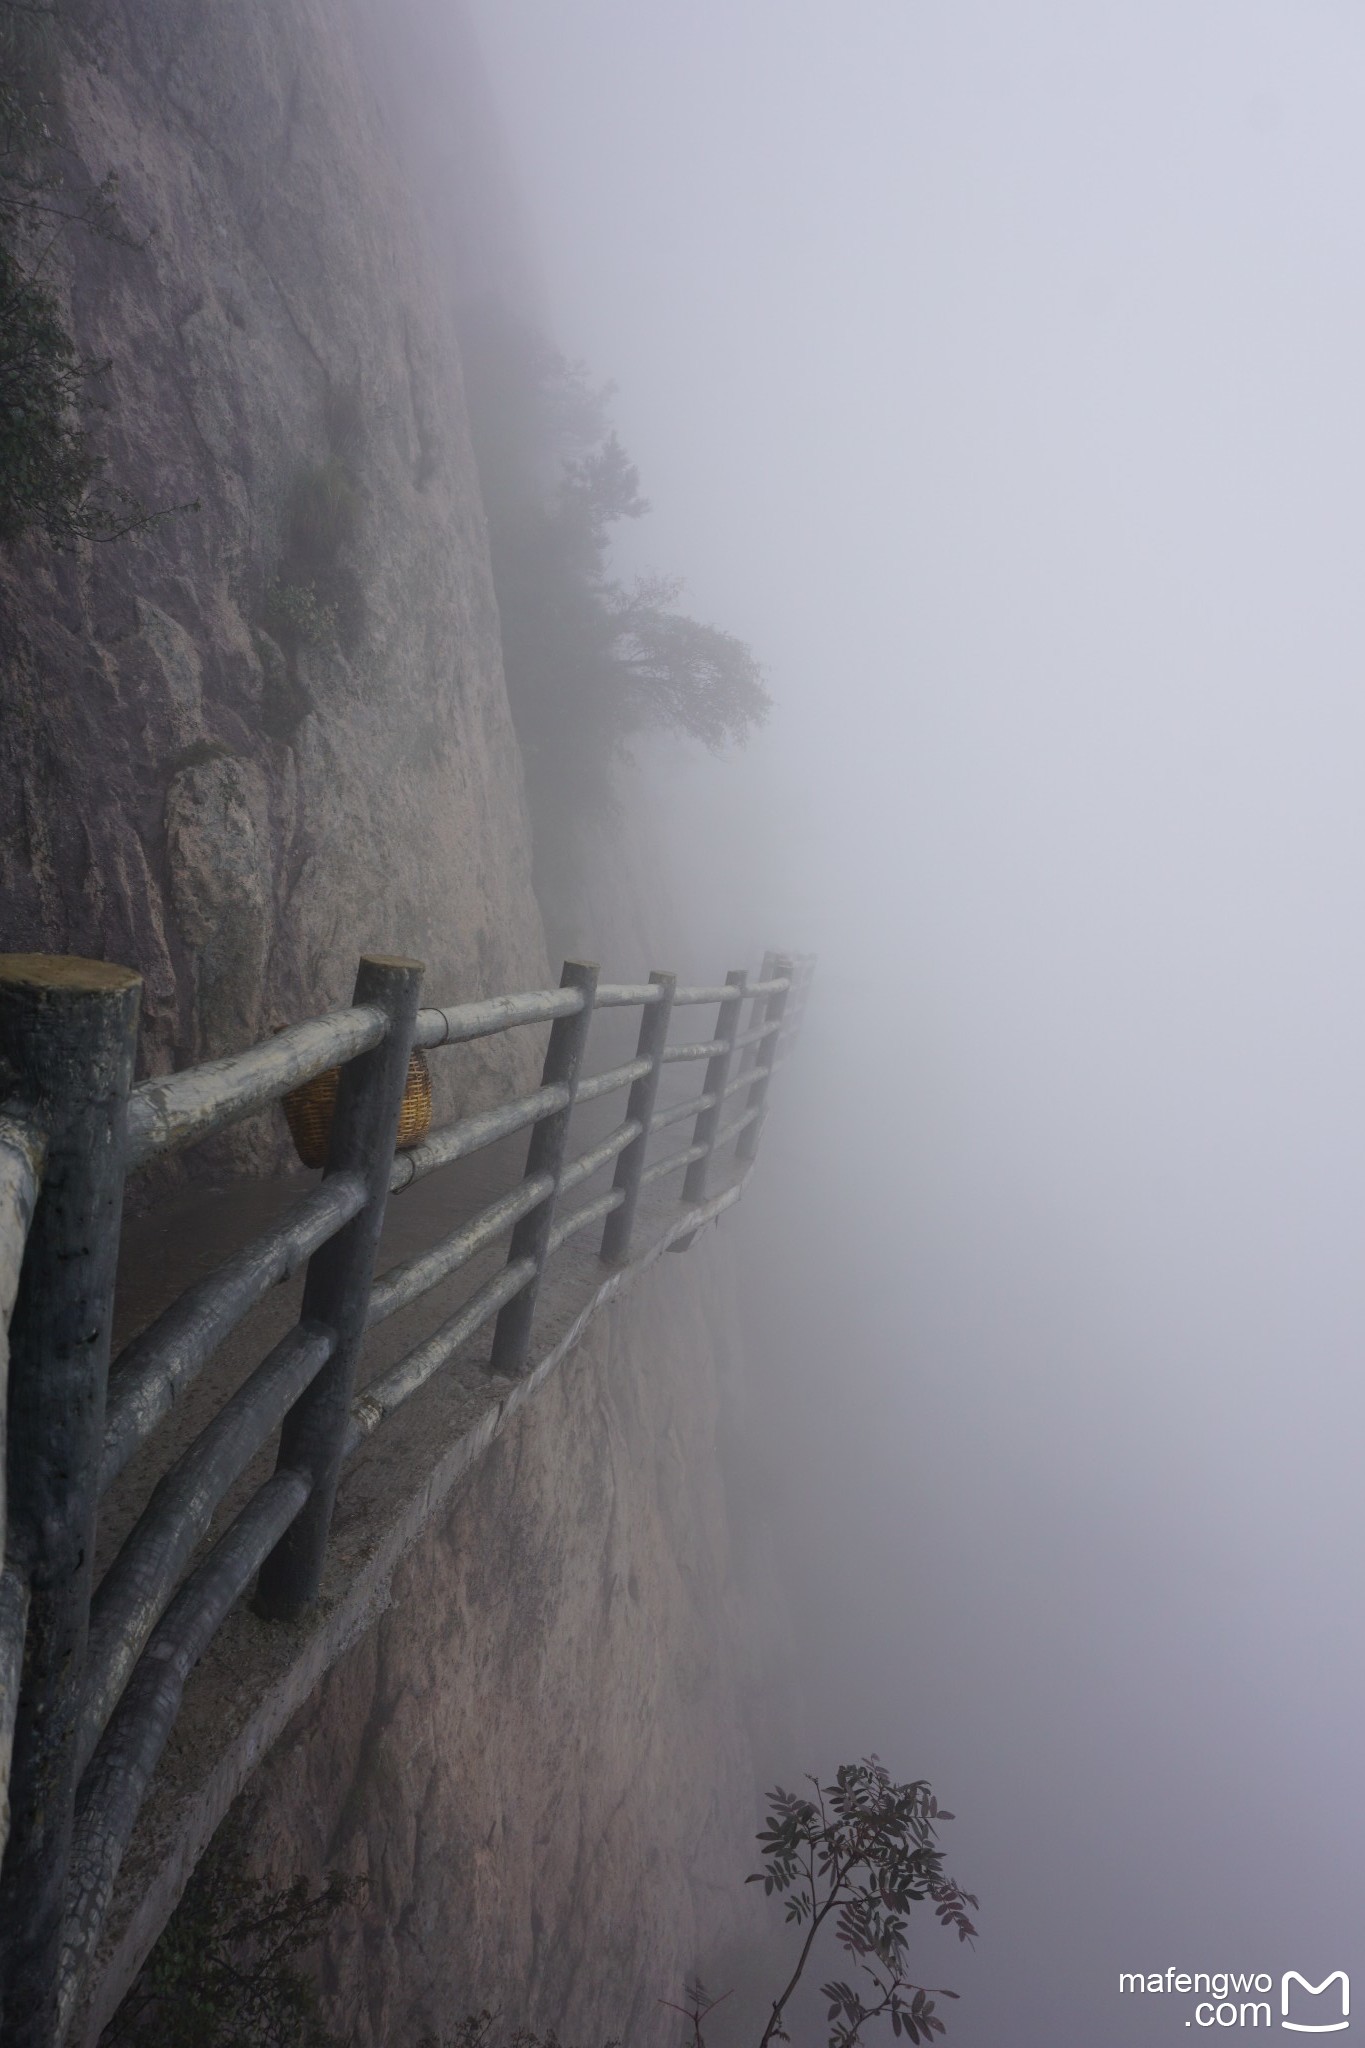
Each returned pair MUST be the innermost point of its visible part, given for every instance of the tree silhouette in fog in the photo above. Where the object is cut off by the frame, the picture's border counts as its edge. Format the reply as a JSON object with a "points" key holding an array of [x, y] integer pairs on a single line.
{"points": [[591, 661]]}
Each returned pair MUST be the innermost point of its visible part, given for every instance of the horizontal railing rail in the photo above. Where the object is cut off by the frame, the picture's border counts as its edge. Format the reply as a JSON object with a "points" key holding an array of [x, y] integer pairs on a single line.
{"points": [[583, 1218], [402, 1285], [608, 1083], [136, 1587], [499, 1013], [472, 1133], [678, 1112], [633, 995], [153, 1372], [663, 1167], [709, 1049], [91, 1676], [164, 1114]]}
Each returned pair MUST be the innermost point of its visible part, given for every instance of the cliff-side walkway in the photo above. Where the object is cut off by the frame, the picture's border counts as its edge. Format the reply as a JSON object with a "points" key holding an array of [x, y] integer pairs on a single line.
{"points": [[257, 1674]]}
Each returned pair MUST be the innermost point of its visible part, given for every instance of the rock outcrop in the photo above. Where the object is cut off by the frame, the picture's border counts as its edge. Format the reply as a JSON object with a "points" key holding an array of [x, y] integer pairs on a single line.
{"points": [[189, 783]]}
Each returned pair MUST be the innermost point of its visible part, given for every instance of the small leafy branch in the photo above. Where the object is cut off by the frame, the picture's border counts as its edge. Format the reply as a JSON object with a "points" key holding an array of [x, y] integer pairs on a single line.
{"points": [[862, 1852], [696, 2009]]}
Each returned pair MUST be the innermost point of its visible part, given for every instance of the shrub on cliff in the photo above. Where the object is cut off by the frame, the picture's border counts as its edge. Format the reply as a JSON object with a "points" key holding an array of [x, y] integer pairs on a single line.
{"points": [[225, 1972], [316, 600], [52, 480], [47, 466]]}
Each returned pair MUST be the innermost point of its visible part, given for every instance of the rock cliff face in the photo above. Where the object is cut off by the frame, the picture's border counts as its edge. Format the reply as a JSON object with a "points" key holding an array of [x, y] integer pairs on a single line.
{"points": [[188, 784], [542, 1759]]}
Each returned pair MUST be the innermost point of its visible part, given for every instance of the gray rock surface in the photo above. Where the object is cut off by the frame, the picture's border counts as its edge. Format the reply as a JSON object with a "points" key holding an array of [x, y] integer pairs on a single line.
{"points": [[176, 793]]}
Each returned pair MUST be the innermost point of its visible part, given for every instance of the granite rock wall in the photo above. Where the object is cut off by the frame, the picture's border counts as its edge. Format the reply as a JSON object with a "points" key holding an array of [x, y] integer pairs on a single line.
{"points": [[181, 788]]}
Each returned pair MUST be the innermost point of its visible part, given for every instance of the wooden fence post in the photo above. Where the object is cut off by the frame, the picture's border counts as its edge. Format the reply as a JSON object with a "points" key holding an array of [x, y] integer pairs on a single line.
{"points": [[766, 1048], [654, 1021], [336, 1291], [545, 1154], [766, 973], [717, 1074], [68, 1032]]}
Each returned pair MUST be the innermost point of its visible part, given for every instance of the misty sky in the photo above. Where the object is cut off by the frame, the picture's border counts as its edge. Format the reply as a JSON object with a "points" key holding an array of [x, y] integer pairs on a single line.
{"points": [[998, 371]]}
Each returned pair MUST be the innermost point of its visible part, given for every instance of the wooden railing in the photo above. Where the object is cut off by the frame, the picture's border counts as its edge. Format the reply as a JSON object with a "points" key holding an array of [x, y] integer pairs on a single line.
{"points": [[92, 1676]]}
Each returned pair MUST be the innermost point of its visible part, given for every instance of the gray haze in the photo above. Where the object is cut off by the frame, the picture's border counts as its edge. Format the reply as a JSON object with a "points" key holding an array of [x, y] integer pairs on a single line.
{"points": [[999, 372]]}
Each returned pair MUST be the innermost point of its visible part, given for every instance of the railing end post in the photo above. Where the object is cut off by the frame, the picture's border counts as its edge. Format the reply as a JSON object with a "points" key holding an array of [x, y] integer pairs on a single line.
{"points": [[68, 1038]]}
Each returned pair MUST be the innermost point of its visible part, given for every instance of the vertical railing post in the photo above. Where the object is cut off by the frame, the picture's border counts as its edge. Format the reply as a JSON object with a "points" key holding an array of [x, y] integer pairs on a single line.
{"points": [[717, 1074], [630, 1164], [766, 973], [336, 1291], [766, 1048], [804, 968], [545, 1154], [68, 1034]]}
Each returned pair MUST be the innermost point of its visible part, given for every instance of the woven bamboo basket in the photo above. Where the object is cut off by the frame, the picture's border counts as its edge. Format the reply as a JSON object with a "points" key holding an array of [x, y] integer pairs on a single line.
{"points": [[309, 1110]]}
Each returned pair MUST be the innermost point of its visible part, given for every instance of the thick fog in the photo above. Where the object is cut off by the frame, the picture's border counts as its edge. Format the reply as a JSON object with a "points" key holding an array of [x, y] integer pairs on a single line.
{"points": [[999, 373]]}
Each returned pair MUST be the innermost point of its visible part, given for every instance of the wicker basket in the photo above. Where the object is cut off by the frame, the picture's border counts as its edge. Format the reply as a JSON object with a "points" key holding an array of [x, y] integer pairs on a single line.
{"points": [[309, 1110]]}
